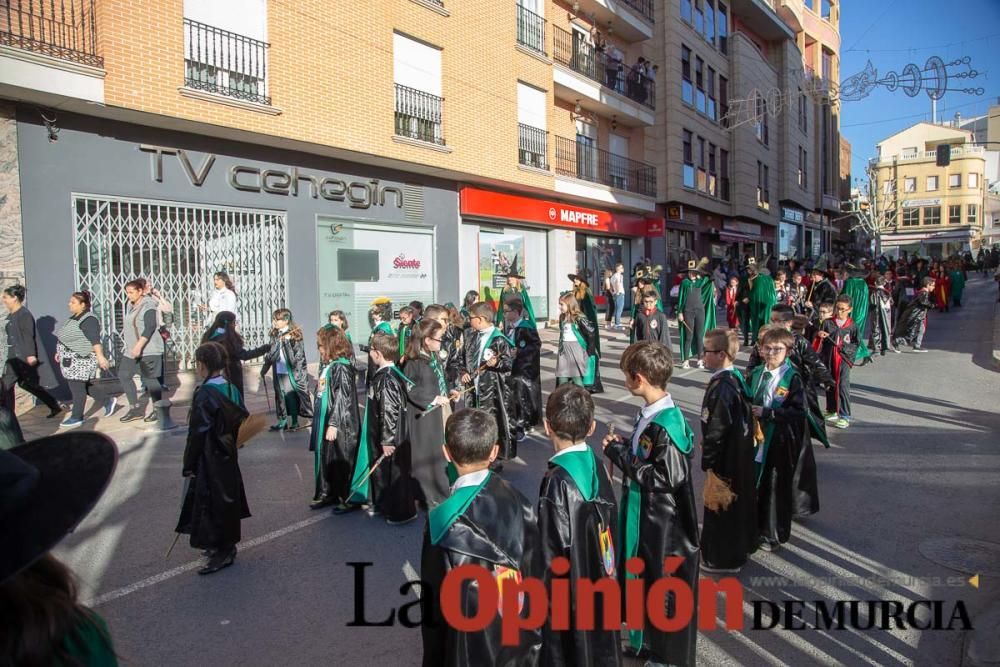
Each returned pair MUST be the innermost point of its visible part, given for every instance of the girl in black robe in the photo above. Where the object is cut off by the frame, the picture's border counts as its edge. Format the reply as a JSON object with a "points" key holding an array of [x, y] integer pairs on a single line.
{"points": [[525, 375], [334, 437], [913, 321], [881, 310], [214, 499], [287, 358], [223, 331]]}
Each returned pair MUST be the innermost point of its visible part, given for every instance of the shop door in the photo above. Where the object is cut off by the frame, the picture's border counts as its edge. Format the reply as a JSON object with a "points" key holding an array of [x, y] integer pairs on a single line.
{"points": [[600, 254], [359, 261], [178, 248]]}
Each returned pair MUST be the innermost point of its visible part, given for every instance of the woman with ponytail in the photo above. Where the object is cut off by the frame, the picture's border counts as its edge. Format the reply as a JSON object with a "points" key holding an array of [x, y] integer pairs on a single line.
{"points": [[223, 331]]}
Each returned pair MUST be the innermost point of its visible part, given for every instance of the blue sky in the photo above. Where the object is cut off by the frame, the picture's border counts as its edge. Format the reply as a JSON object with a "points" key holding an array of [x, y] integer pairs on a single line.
{"points": [[892, 33]]}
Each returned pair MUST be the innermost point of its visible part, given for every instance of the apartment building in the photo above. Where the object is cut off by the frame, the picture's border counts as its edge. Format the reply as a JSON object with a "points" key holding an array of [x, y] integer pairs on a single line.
{"points": [[769, 186], [410, 148], [935, 211]]}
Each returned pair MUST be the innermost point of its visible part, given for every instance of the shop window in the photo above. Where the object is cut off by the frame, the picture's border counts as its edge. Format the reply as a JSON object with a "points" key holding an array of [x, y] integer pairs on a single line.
{"points": [[932, 215], [911, 217]]}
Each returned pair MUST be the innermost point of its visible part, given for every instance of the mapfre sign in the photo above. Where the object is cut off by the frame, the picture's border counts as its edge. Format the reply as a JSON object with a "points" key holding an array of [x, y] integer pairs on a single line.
{"points": [[491, 205]]}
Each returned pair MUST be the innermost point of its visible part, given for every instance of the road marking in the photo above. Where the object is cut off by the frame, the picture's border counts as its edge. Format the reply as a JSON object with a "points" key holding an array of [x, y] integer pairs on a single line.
{"points": [[187, 567], [298, 470]]}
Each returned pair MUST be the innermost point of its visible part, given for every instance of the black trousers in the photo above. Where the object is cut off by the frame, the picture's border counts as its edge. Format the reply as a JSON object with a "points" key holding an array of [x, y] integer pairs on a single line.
{"points": [[839, 399], [695, 334], [26, 377], [80, 389], [148, 369]]}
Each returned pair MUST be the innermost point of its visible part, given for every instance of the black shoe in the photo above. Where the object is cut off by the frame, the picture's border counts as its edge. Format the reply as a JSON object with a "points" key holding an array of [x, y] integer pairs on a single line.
{"points": [[132, 415], [54, 412], [397, 522], [151, 417], [320, 503], [219, 560], [346, 508]]}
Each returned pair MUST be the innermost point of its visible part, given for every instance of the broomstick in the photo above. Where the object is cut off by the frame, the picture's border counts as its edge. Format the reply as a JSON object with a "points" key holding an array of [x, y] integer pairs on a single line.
{"points": [[368, 474]]}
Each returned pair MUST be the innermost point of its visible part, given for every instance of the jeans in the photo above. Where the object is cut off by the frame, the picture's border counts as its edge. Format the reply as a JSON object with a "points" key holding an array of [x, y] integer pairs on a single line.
{"points": [[619, 305], [149, 369]]}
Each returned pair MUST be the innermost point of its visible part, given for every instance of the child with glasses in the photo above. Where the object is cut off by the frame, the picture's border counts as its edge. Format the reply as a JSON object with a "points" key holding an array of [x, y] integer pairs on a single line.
{"points": [[650, 323], [780, 406], [837, 344]]}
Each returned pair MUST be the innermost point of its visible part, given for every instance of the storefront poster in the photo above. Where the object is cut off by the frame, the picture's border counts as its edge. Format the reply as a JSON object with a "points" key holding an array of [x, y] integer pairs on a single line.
{"points": [[500, 254]]}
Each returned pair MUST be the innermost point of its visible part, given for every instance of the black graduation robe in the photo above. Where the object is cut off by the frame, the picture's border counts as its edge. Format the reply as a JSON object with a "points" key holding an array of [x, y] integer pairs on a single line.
{"points": [[493, 526], [215, 501], [589, 308], [235, 359], [383, 327], [838, 350], [390, 487], [426, 433], [295, 355], [822, 292], [525, 375], [914, 317], [658, 517], [577, 519], [651, 326], [881, 319], [337, 406], [491, 389], [729, 536]]}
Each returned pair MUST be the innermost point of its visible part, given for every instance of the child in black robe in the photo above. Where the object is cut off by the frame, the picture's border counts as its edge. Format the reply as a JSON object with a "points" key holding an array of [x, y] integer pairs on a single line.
{"points": [[881, 312], [407, 318], [780, 406], [577, 520], [658, 516], [912, 322], [729, 534], [837, 344], [215, 501], [525, 374], [334, 437], [650, 323], [484, 522], [290, 378], [383, 433]]}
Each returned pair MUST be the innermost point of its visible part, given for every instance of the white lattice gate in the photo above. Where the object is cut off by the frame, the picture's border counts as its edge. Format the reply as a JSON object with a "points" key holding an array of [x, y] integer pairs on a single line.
{"points": [[178, 247]]}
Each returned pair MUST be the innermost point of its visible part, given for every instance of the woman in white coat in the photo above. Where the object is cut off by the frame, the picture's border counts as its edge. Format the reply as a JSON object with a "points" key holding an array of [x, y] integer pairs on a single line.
{"points": [[222, 298]]}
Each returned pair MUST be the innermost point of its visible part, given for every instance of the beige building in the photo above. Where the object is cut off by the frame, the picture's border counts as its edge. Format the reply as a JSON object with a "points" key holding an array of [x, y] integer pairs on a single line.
{"points": [[768, 186], [932, 210]]}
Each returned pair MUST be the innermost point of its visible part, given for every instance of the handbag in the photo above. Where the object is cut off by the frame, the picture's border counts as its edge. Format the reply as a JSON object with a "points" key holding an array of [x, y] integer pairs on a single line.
{"points": [[75, 366]]}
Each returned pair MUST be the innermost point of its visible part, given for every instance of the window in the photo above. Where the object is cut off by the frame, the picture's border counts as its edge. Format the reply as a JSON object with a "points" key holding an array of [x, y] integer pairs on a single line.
{"points": [[702, 174], [724, 174], [709, 22], [932, 215], [760, 128], [910, 184], [687, 87], [688, 175], [531, 25], [699, 17], [803, 166], [226, 50], [722, 22], [910, 152], [955, 214], [712, 183], [532, 138], [686, 10], [417, 75], [723, 97], [827, 66], [699, 84], [803, 111], [973, 181], [763, 190], [954, 180], [711, 94], [972, 214], [824, 8], [889, 187], [911, 217], [767, 186], [932, 183]]}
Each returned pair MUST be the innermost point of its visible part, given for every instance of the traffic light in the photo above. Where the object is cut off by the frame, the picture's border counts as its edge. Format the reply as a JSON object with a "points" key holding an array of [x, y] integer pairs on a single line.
{"points": [[943, 155]]}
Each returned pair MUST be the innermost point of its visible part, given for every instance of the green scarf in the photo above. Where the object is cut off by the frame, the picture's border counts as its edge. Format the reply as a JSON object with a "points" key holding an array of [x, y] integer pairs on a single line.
{"points": [[629, 512], [441, 517]]}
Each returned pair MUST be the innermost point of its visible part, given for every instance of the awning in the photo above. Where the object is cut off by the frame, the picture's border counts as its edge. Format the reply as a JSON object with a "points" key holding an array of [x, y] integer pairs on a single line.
{"points": [[737, 238]]}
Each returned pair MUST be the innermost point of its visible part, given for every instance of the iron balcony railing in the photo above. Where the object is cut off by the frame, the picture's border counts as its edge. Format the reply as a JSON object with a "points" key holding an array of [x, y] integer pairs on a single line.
{"points": [[571, 50], [532, 146], [418, 115], [225, 63], [580, 160], [63, 29], [644, 7], [530, 30]]}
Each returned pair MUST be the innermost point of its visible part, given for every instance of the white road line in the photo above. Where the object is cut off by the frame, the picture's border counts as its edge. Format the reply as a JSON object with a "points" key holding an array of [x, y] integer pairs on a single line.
{"points": [[298, 470], [411, 575], [187, 567]]}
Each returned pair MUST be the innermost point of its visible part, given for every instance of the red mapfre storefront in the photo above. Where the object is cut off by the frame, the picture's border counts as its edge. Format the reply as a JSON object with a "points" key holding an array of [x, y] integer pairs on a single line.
{"points": [[500, 206]]}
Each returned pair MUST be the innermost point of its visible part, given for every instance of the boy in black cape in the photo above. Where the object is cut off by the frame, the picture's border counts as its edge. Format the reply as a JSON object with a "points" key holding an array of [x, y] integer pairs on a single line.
{"points": [[913, 321], [779, 405], [214, 500], [485, 522], [881, 314], [525, 374], [383, 433], [837, 344], [485, 366], [577, 519], [657, 514], [729, 534], [649, 322]]}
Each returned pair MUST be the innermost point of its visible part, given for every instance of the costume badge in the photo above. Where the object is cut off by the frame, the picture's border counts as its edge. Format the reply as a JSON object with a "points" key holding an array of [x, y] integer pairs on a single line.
{"points": [[653, 324], [501, 574], [645, 447], [704, 414], [523, 343], [607, 551], [847, 338], [321, 386], [781, 392]]}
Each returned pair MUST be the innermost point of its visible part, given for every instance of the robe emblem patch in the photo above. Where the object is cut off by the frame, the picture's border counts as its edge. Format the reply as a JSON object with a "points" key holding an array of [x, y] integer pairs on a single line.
{"points": [[781, 392], [522, 343], [645, 447], [653, 324], [705, 414], [501, 574], [607, 551]]}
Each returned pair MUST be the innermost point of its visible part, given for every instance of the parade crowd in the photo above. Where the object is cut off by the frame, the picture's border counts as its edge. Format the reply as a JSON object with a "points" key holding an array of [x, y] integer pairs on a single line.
{"points": [[450, 391]]}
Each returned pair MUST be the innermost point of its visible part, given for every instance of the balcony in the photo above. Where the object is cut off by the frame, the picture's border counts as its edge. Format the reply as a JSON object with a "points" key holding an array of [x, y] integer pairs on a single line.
{"points": [[418, 115], [761, 17], [530, 30], [632, 20], [225, 63], [532, 146], [595, 165]]}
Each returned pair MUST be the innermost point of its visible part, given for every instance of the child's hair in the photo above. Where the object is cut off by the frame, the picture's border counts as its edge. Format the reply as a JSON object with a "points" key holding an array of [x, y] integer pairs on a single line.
{"points": [[572, 307], [781, 273], [776, 335], [880, 281], [727, 340], [515, 305], [470, 435], [333, 344], [781, 313], [285, 315], [732, 278], [926, 281], [826, 305], [385, 344], [482, 309], [282, 314], [649, 293], [341, 315], [651, 359], [417, 307], [843, 298], [424, 329], [212, 356], [383, 310], [471, 297], [570, 412], [230, 338], [456, 315], [434, 311], [799, 324], [407, 310]]}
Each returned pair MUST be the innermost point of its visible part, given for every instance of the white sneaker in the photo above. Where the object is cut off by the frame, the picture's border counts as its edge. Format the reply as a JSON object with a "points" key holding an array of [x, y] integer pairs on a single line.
{"points": [[701, 363]]}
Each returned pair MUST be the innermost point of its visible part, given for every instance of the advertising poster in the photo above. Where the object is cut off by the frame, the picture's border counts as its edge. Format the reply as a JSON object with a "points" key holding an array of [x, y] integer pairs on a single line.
{"points": [[499, 255]]}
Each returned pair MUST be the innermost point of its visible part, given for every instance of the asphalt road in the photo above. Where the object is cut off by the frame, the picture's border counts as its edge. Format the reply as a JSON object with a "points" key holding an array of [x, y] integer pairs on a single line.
{"points": [[920, 462]]}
